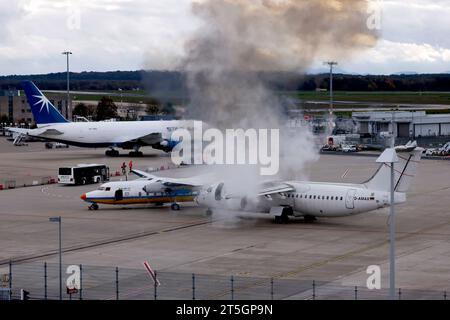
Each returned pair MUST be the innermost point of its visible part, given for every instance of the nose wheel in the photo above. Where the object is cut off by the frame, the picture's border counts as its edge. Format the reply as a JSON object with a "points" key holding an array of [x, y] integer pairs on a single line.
{"points": [[93, 206], [175, 206]]}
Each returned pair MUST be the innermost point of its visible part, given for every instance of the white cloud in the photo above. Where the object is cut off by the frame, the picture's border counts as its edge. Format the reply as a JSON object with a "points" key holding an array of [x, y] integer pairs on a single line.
{"points": [[112, 34]]}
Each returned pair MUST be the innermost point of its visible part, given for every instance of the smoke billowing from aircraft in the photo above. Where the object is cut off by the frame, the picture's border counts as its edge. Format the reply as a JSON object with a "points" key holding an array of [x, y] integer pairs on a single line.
{"points": [[240, 39]]}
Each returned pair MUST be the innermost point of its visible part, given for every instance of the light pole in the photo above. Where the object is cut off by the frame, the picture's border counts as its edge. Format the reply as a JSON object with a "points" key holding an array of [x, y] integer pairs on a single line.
{"points": [[68, 111], [58, 219], [331, 64], [389, 157]]}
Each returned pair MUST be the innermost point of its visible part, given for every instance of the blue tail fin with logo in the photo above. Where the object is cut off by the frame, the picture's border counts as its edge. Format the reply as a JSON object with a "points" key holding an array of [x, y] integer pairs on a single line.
{"points": [[44, 112]]}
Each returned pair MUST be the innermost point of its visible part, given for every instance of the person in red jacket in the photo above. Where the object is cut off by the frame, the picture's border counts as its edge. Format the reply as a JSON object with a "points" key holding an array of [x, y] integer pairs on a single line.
{"points": [[130, 165]]}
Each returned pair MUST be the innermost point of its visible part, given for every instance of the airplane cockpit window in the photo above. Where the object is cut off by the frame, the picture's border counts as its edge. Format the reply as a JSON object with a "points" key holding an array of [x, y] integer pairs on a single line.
{"points": [[107, 188], [101, 188]]}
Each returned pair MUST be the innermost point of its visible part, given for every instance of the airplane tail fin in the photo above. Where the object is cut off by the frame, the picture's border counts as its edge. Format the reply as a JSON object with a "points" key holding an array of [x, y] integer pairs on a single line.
{"points": [[44, 112], [404, 170]]}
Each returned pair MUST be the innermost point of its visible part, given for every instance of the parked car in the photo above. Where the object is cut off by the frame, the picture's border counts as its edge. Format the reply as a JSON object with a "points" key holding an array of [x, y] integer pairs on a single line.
{"points": [[56, 145], [348, 148]]}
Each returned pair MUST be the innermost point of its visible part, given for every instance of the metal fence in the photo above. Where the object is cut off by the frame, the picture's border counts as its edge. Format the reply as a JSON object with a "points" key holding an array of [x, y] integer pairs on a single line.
{"points": [[41, 280]]}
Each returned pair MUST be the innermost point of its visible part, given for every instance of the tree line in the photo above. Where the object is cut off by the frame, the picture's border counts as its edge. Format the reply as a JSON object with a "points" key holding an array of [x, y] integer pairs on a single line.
{"points": [[169, 83], [107, 109]]}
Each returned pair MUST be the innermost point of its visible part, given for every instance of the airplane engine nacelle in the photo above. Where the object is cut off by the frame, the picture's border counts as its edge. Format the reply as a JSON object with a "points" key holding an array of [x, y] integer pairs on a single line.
{"points": [[216, 196], [166, 145], [152, 187]]}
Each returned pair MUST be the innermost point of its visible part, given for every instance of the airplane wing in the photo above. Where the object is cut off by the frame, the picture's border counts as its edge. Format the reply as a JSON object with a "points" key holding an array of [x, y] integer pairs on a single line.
{"points": [[197, 181], [151, 138], [276, 189], [266, 189], [143, 174]]}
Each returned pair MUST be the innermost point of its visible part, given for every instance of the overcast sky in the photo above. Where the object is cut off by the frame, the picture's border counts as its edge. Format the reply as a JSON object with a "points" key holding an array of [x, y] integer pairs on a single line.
{"points": [[135, 34]]}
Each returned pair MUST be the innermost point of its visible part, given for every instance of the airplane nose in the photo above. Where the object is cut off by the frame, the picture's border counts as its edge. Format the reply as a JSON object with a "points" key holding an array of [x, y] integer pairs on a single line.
{"points": [[83, 196]]}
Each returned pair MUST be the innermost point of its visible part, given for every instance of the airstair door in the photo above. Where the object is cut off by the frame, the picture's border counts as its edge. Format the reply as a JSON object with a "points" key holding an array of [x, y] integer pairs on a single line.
{"points": [[350, 199], [118, 195]]}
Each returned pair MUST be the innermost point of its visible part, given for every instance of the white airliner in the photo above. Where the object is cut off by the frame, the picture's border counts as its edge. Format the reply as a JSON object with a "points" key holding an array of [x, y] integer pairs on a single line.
{"points": [[320, 199], [147, 189], [130, 135]]}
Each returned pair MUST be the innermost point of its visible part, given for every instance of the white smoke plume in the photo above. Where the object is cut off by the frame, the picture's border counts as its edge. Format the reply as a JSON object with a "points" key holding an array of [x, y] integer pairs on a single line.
{"points": [[240, 39]]}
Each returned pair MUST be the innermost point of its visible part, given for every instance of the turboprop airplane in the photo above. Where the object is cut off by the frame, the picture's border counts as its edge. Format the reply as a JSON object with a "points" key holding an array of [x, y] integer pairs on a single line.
{"points": [[321, 199], [146, 189], [128, 135]]}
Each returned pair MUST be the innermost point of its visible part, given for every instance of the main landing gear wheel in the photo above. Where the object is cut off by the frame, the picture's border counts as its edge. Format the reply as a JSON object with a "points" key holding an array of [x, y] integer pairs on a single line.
{"points": [[93, 206], [175, 206], [112, 153], [284, 218], [309, 219], [208, 212], [135, 154]]}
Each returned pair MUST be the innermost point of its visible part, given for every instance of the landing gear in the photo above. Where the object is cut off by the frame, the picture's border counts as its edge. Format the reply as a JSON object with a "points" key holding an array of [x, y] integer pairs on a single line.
{"points": [[284, 218], [208, 212], [93, 206], [175, 206], [135, 154], [309, 219], [112, 153]]}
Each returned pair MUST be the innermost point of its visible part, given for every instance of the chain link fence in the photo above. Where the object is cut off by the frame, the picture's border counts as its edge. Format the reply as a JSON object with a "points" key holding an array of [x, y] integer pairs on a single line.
{"points": [[42, 281]]}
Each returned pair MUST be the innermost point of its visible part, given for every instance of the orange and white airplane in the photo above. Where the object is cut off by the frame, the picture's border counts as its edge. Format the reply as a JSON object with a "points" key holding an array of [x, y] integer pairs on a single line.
{"points": [[146, 189]]}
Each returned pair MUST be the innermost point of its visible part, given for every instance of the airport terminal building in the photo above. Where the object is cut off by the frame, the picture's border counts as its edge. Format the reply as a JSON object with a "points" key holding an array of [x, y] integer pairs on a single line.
{"points": [[407, 124]]}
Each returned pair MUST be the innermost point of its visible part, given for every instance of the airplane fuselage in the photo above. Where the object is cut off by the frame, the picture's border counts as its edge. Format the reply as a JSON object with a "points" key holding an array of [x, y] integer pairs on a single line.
{"points": [[123, 134], [138, 192], [309, 199]]}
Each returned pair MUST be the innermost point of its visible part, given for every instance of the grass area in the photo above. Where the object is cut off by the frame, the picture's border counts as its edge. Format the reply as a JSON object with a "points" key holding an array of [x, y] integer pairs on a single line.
{"points": [[95, 97], [356, 96], [382, 96]]}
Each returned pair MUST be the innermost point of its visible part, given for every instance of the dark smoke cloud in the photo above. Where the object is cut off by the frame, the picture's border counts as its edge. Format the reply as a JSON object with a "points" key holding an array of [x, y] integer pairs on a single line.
{"points": [[240, 38]]}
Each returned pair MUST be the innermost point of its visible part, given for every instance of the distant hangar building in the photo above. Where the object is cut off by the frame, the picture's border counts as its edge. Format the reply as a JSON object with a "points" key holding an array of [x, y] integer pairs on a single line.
{"points": [[407, 124]]}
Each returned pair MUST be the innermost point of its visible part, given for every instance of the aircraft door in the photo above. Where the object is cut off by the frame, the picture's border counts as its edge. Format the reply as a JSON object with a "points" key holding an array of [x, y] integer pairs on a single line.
{"points": [[350, 199], [118, 195]]}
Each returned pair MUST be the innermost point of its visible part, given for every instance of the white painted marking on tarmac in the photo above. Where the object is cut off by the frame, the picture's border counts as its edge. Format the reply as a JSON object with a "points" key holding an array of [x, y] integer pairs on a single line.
{"points": [[345, 173]]}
